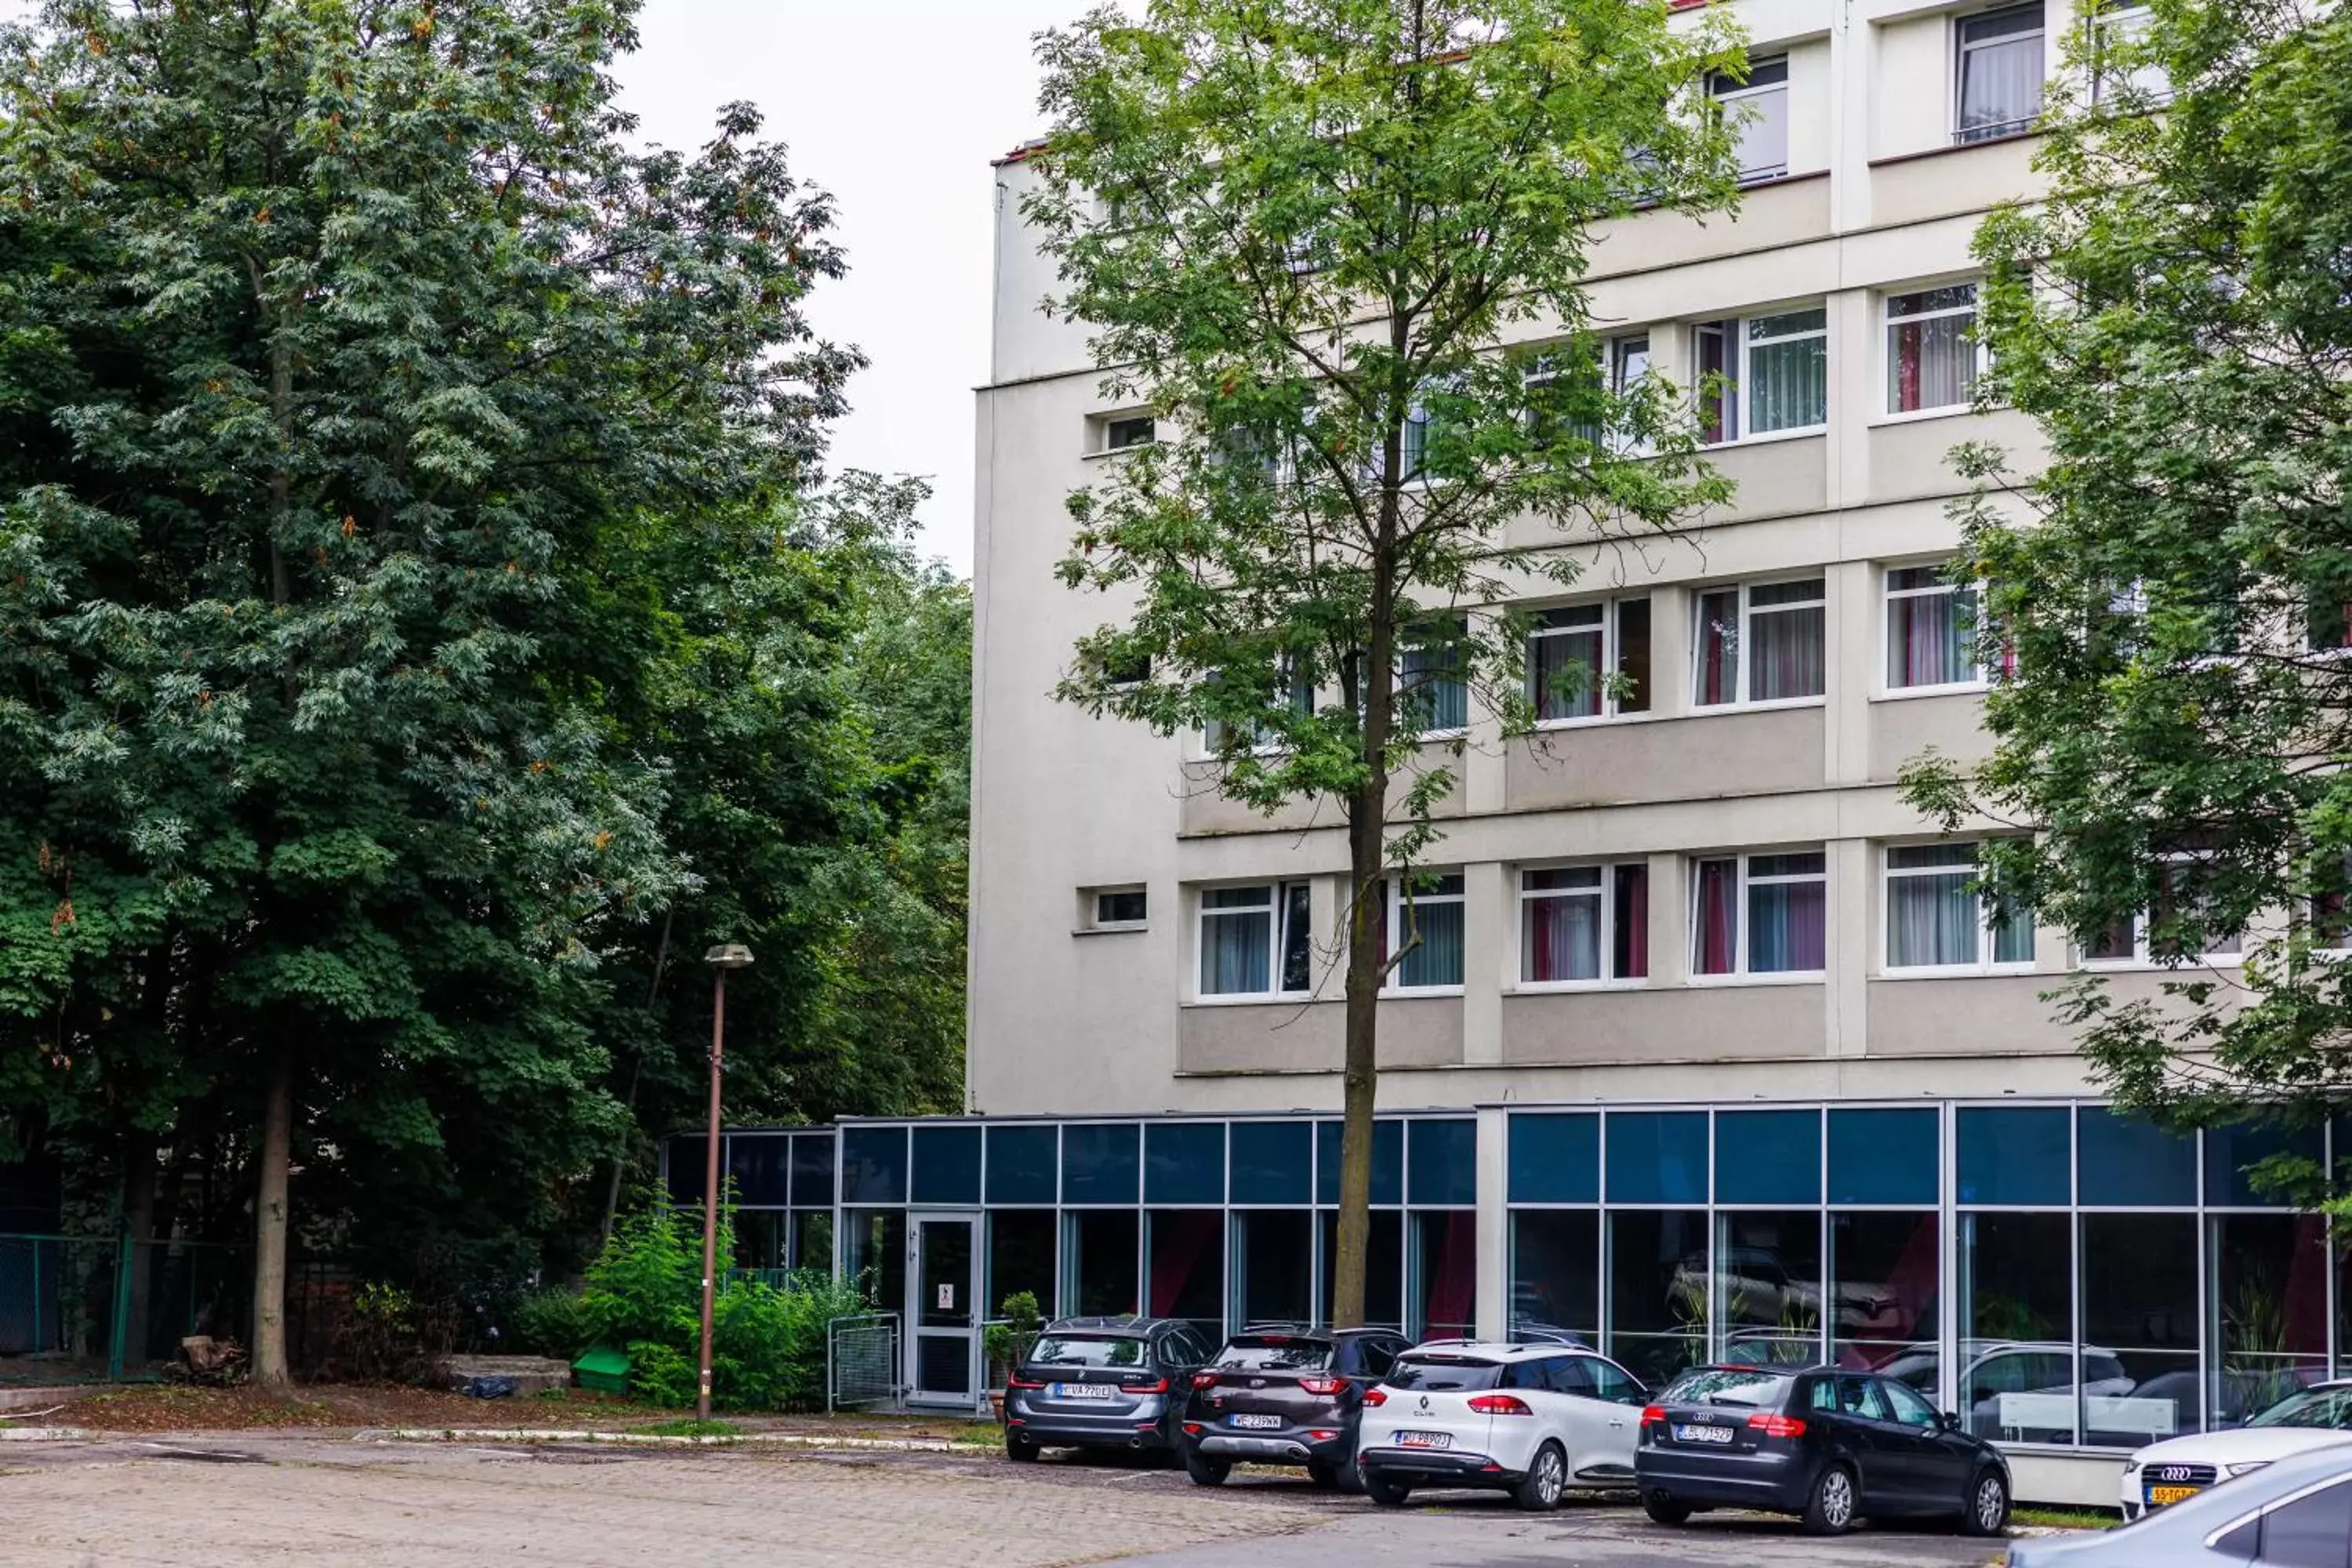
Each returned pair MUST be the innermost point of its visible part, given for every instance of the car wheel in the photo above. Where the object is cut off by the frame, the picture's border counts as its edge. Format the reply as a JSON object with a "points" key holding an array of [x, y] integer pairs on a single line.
{"points": [[1664, 1510], [1988, 1510], [1384, 1491], [1830, 1509], [1547, 1478], [1205, 1470], [1019, 1450]]}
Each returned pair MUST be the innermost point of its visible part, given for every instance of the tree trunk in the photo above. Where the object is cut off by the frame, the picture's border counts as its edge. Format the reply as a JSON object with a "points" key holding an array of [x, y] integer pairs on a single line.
{"points": [[269, 1368]]}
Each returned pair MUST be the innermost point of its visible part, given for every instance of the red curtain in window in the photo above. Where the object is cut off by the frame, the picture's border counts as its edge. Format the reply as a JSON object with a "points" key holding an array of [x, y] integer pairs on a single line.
{"points": [[1718, 917], [1632, 956], [1179, 1242], [1453, 1281]]}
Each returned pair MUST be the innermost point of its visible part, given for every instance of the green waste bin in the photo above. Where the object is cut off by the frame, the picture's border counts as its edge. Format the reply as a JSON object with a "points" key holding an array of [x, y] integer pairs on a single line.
{"points": [[604, 1370]]}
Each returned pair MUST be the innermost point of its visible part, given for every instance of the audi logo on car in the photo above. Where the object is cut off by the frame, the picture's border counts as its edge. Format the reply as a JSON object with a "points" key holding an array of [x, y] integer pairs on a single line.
{"points": [[2174, 1473]]}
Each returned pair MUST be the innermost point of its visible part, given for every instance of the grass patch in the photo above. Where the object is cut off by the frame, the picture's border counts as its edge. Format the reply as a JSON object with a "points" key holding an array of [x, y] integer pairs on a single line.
{"points": [[690, 1427], [2068, 1518]]}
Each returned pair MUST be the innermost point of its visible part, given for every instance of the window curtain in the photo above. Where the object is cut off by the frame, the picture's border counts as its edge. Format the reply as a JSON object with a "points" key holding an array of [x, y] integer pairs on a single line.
{"points": [[1928, 639], [1436, 960], [1234, 952], [1931, 363], [1435, 689], [1566, 666], [1931, 920], [1788, 382], [1564, 937], [2000, 87], [1787, 927], [1787, 642], [1632, 934], [1298, 938], [1719, 648], [1718, 917]]}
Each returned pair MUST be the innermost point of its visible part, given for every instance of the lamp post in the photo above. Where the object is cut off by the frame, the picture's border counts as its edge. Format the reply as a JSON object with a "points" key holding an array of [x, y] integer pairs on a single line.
{"points": [[732, 955]]}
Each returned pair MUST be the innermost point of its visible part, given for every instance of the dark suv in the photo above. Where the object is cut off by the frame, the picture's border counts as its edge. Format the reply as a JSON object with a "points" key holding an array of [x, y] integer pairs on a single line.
{"points": [[1278, 1394], [1828, 1444], [1101, 1383]]}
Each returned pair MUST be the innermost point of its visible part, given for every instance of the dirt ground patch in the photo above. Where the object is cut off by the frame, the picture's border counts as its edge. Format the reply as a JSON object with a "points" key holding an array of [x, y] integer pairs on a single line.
{"points": [[170, 1408]]}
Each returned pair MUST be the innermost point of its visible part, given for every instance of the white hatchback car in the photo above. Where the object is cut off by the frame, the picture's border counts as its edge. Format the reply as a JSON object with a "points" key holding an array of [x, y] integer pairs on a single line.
{"points": [[2163, 1473], [1532, 1420]]}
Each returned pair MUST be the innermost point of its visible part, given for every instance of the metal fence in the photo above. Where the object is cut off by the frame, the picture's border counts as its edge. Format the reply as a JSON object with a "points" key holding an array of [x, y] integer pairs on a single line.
{"points": [[87, 1309], [861, 1359]]}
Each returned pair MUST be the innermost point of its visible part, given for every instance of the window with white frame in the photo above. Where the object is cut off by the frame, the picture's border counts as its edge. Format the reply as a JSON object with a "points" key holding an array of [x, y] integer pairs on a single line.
{"points": [[1296, 691], [1932, 355], [1761, 642], [2000, 72], [2182, 882], [1759, 914], [1938, 916], [2327, 621], [1419, 918], [1575, 650], [1763, 375], [1932, 637], [1255, 940], [1757, 109], [1118, 908], [2119, 30], [1585, 924], [1434, 683], [1620, 363]]}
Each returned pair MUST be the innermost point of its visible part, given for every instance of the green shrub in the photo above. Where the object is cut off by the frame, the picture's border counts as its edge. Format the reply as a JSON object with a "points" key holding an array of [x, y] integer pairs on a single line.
{"points": [[554, 1322]]}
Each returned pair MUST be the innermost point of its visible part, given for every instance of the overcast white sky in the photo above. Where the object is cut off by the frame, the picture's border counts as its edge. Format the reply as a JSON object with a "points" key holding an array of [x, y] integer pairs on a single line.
{"points": [[896, 106]]}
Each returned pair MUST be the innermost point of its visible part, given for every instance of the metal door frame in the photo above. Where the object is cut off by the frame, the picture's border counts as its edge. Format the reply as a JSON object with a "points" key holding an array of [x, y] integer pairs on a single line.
{"points": [[975, 1397]]}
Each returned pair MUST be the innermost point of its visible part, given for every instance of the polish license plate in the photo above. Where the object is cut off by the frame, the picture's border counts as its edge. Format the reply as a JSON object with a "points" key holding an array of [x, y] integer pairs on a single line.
{"points": [[1424, 1440], [1702, 1433], [1085, 1391], [1259, 1422], [2163, 1497]]}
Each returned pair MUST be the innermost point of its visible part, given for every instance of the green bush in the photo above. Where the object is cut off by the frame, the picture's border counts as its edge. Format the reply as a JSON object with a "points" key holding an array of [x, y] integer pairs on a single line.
{"points": [[644, 1292], [554, 1322]]}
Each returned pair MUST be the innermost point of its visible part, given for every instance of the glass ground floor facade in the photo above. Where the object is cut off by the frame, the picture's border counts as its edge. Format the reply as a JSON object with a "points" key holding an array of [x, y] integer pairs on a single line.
{"points": [[2062, 1278]]}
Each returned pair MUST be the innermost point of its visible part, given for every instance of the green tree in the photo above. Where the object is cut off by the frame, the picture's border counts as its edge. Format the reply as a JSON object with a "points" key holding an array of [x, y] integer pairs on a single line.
{"points": [[2172, 586], [1303, 235], [343, 331]]}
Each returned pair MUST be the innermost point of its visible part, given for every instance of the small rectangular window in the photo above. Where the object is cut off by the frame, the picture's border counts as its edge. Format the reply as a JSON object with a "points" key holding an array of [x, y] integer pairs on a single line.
{"points": [[1584, 923], [1931, 629], [1937, 917], [1127, 430], [1419, 918], [1757, 109], [1761, 643], [1761, 914], [2120, 69], [1120, 907], [2183, 889], [2000, 72], [1931, 349], [1573, 652], [1254, 941], [1763, 375], [1434, 684]]}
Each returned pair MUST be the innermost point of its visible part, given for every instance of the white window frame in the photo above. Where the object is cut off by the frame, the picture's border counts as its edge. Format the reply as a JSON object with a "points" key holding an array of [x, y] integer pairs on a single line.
{"points": [[1279, 892], [1262, 748], [1613, 650], [1609, 915], [1617, 353], [1443, 731], [1887, 321], [1746, 589], [1888, 594], [1098, 429], [1095, 897], [1392, 902], [1735, 329], [1962, 48], [1743, 879], [1731, 94], [2130, 14], [2143, 956], [1985, 963]]}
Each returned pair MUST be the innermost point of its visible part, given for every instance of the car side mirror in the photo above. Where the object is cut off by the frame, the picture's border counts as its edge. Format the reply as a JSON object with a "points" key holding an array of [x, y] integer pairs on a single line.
{"points": [[1947, 1421]]}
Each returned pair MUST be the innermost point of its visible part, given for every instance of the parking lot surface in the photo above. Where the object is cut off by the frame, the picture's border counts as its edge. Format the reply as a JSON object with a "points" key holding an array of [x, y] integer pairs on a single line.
{"points": [[256, 1499]]}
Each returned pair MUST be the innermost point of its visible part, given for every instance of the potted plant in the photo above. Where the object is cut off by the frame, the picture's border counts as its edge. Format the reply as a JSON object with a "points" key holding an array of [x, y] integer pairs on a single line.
{"points": [[1007, 1342]]}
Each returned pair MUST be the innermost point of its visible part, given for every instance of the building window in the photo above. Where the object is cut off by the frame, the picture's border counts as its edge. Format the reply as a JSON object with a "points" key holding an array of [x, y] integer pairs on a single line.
{"points": [[1551, 379], [2327, 625], [1761, 914], [1584, 923], [1122, 431], [1931, 629], [1573, 652], [1420, 930], [1255, 940], [1433, 685], [1296, 692], [2122, 28], [1757, 109], [2181, 885], [1118, 908], [1774, 629], [1762, 375], [1939, 918], [2000, 72], [1931, 349]]}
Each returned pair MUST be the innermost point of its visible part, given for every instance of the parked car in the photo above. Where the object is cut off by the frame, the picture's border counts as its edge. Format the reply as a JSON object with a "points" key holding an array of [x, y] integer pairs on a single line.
{"points": [[2017, 1390], [1530, 1419], [2296, 1511], [1829, 1445], [2166, 1474], [1286, 1396], [1101, 1383]]}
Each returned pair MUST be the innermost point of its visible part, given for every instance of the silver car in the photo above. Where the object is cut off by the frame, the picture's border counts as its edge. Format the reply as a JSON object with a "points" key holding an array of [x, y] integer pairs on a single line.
{"points": [[2296, 1511]]}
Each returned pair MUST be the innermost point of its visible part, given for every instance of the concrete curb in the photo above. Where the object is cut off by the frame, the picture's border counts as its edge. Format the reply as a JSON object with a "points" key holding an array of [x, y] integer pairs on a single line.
{"points": [[659, 1440], [45, 1434]]}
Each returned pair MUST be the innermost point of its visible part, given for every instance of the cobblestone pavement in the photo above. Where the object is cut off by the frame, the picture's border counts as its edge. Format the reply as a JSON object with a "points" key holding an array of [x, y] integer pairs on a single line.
{"points": [[259, 1499]]}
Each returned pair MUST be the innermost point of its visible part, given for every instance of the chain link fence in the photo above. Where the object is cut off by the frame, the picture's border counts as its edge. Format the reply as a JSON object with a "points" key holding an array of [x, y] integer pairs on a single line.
{"points": [[861, 1359]]}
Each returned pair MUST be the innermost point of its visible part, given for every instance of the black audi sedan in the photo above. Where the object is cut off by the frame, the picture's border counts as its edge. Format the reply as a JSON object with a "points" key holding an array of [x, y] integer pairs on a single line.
{"points": [[1827, 1445], [1101, 1383], [1283, 1394]]}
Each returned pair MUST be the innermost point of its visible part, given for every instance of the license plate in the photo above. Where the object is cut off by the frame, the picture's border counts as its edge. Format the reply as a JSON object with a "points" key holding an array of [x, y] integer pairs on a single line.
{"points": [[1702, 1433], [1260, 1422], [1085, 1391], [2163, 1497], [1424, 1440]]}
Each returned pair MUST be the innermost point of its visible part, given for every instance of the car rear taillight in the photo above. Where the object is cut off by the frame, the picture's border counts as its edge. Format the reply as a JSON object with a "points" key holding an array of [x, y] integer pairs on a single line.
{"points": [[1500, 1405], [1192, 1428], [1322, 1435], [1324, 1387], [1776, 1426], [1018, 1382], [1653, 1412], [1375, 1398], [1204, 1380], [1158, 1387]]}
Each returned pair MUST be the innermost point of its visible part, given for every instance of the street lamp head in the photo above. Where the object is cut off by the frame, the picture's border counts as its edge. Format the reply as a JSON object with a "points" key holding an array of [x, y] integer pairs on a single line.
{"points": [[730, 955]]}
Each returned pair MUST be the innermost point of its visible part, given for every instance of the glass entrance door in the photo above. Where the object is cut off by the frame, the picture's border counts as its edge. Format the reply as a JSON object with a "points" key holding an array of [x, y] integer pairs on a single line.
{"points": [[944, 1348]]}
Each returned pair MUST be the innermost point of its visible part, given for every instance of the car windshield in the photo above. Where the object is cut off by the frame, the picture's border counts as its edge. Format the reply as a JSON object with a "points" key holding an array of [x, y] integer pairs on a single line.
{"points": [[1276, 1352], [2315, 1407], [1086, 1350], [1722, 1386], [1441, 1373]]}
